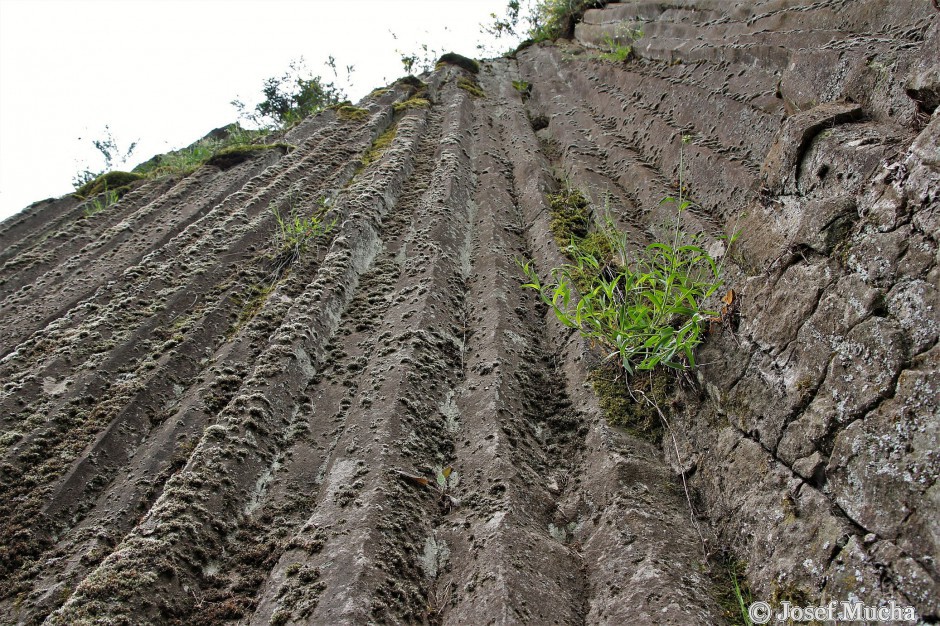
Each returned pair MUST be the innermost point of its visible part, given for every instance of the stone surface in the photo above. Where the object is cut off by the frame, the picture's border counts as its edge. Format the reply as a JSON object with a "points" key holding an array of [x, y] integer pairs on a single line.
{"points": [[193, 433]]}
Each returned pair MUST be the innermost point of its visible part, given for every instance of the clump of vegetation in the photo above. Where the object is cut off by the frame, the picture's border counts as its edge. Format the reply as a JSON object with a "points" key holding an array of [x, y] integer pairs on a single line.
{"points": [[619, 402], [412, 81], [523, 87], [233, 155], [539, 20], [617, 51], [734, 595], [452, 58], [347, 111], [381, 143], [117, 182], [111, 152], [646, 309], [224, 147], [571, 215], [295, 231], [292, 96], [99, 204], [471, 86], [411, 103]]}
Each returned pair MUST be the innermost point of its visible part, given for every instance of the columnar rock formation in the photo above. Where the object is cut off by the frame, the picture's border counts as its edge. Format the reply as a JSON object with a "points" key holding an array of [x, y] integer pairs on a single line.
{"points": [[199, 429]]}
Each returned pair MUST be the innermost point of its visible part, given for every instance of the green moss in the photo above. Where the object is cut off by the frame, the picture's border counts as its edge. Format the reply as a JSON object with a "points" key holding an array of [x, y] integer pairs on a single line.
{"points": [[452, 58], [629, 410], [375, 93], [571, 215], [471, 86], [381, 143], [522, 87], [352, 113], [230, 157], [112, 181], [412, 81], [411, 103]]}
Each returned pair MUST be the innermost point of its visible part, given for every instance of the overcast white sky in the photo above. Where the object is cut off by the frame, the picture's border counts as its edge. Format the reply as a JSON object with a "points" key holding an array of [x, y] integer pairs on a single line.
{"points": [[164, 71]]}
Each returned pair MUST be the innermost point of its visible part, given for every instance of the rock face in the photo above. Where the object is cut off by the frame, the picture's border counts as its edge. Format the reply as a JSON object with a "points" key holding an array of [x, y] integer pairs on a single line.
{"points": [[198, 428]]}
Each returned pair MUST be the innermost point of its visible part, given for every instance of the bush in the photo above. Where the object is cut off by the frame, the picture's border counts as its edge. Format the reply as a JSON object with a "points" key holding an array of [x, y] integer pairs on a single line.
{"points": [[646, 311], [291, 97]]}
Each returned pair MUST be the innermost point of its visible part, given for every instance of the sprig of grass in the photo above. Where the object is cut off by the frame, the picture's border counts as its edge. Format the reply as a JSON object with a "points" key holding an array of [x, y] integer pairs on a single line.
{"points": [[295, 231], [102, 202]]}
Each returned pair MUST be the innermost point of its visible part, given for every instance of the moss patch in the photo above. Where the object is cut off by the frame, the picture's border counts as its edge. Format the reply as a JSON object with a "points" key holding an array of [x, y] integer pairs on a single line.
{"points": [[632, 412], [381, 143], [411, 81], [412, 103], [471, 86], [452, 58], [352, 113], [112, 181], [230, 157], [571, 215]]}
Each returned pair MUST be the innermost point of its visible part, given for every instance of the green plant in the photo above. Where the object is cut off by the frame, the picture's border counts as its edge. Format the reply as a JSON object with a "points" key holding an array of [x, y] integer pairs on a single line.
{"points": [[111, 152], [541, 20], [617, 51], [648, 312], [522, 87], [292, 96], [99, 204], [648, 309], [294, 231], [381, 143]]}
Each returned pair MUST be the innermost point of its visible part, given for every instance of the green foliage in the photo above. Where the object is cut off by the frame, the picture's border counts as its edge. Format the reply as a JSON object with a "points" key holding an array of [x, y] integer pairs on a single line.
{"points": [[420, 61], [452, 58], [295, 231], [228, 140], [645, 309], [412, 81], [522, 87], [112, 154], [291, 97], [99, 204], [733, 594], [539, 20], [617, 50]]}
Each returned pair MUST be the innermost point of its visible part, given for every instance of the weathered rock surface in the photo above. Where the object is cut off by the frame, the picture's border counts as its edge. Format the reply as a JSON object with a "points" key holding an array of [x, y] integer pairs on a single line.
{"points": [[195, 431]]}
